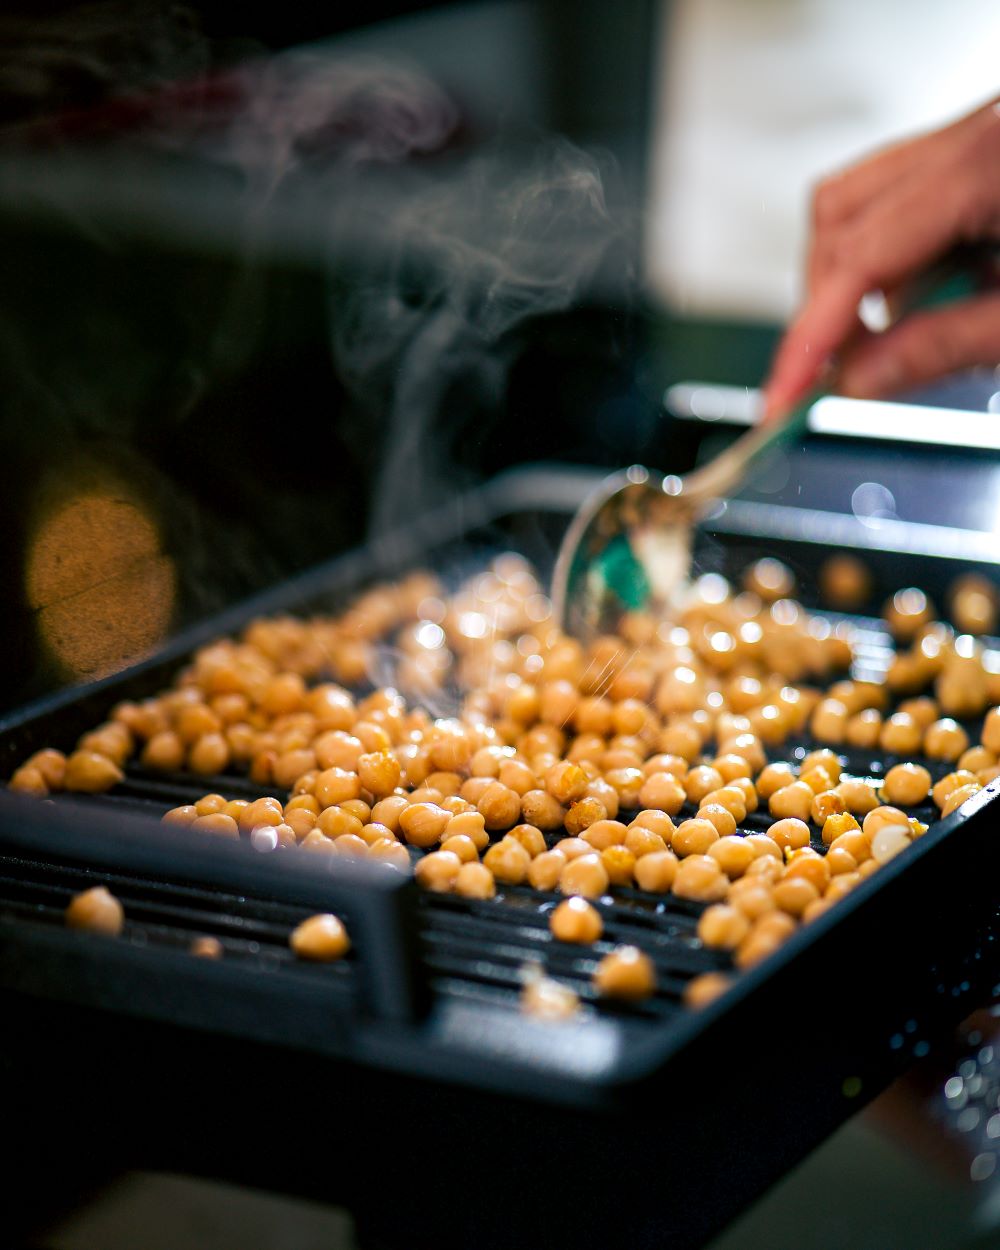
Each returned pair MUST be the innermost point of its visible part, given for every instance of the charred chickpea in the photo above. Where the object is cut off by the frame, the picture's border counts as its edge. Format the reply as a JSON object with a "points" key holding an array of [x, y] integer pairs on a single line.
{"points": [[576, 920], [625, 973]]}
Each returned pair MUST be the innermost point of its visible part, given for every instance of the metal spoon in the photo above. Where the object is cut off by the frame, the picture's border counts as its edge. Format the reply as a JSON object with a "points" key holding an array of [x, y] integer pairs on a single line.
{"points": [[628, 548]]}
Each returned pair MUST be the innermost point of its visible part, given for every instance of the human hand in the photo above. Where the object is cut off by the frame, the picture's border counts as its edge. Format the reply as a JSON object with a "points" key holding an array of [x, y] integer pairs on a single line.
{"points": [[881, 226]]}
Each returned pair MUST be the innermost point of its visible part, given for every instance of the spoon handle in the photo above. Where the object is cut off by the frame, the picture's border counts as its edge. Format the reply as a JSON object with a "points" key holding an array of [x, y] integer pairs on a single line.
{"points": [[726, 471]]}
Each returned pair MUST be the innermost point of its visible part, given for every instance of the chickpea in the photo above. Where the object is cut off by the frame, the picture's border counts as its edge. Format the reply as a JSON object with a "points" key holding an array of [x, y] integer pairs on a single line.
{"points": [[793, 801], [530, 838], [765, 868], [164, 752], [656, 871], [991, 731], [764, 846], [566, 782], [573, 848], [216, 823], [888, 840], [826, 805], [641, 841], [389, 851], [470, 825], [350, 844], [459, 844], [604, 833], [320, 939], [957, 797], [422, 824], [182, 816], [545, 870], [845, 582], [817, 779], [731, 798], [474, 880], [585, 876], [859, 797], [335, 822], [700, 878], [749, 791], [837, 824], [723, 927], [773, 778], [576, 920], [499, 806], [438, 871], [583, 814], [754, 897], [733, 855], [619, 863], [206, 948], [880, 818], [907, 785], [51, 764], [719, 816], [28, 780], [657, 822], [701, 781], [863, 729], [975, 759], [840, 860], [856, 842], [625, 973], [208, 755], [705, 989], [694, 837], [90, 773], [664, 792], [900, 735], [540, 809], [907, 612], [829, 721], [790, 833], [96, 911], [810, 865], [945, 740], [508, 861]]}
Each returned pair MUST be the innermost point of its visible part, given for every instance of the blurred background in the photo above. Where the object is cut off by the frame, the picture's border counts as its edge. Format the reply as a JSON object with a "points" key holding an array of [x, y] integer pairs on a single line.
{"points": [[279, 277]]}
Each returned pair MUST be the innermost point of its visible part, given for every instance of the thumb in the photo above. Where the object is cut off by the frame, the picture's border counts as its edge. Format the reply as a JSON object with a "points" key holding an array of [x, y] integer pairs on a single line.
{"points": [[922, 347]]}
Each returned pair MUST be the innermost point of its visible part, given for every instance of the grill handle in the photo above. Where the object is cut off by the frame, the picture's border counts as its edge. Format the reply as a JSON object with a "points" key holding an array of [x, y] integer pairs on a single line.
{"points": [[380, 903]]}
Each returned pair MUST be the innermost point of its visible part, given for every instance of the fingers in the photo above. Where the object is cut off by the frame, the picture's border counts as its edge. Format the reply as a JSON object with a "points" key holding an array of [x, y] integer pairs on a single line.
{"points": [[922, 347], [915, 222]]}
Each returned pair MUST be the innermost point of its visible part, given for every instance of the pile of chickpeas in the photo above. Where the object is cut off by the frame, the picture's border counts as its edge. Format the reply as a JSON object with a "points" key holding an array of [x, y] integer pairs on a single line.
{"points": [[577, 771]]}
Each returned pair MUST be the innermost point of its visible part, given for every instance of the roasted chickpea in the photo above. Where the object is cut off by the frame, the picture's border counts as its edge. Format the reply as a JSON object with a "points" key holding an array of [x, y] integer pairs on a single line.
{"points": [[499, 806], [576, 920], [508, 861], [422, 824], [657, 822], [586, 876], [438, 871], [880, 818], [699, 782], [97, 911], [957, 797], [859, 797], [907, 785], [790, 833], [625, 973], [700, 878], [321, 939], [734, 855], [540, 809], [656, 871], [723, 927], [794, 801], [90, 773], [474, 880], [774, 778], [945, 740]]}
